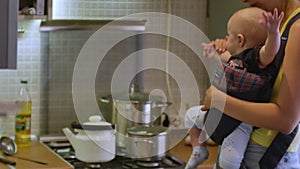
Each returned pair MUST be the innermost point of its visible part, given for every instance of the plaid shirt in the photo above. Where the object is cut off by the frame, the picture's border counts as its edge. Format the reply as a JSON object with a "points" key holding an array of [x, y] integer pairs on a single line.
{"points": [[240, 83]]}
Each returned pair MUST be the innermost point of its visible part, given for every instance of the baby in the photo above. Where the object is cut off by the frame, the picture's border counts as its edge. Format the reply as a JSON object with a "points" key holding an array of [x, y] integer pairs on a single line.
{"points": [[252, 42]]}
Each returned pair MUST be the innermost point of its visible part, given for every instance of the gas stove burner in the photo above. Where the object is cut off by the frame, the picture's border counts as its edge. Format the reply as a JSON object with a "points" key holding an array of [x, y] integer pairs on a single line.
{"points": [[147, 164], [167, 161], [68, 157], [94, 165], [150, 159]]}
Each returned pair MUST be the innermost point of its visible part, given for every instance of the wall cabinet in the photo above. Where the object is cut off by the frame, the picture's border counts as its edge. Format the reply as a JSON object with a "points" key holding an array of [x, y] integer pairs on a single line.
{"points": [[40, 9], [8, 33]]}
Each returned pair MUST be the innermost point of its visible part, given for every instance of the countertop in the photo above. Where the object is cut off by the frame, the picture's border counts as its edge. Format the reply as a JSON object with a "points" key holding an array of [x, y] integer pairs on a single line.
{"points": [[40, 152], [37, 151]]}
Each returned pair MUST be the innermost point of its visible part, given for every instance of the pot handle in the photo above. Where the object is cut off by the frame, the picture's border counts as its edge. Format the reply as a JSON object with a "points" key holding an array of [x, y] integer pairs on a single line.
{"points": [[76, 125], [162, 104], [146, 141], [105, 100], [166, 121]]}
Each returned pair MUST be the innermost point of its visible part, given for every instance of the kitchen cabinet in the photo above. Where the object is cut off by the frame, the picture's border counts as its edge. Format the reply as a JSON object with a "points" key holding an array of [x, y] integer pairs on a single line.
{"points": [[41, 7], [30, 17], [8, 34]]}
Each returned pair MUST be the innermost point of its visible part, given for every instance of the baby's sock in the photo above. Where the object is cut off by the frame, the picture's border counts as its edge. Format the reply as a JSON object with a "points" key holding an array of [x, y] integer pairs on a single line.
{"points": [[199, 155]]}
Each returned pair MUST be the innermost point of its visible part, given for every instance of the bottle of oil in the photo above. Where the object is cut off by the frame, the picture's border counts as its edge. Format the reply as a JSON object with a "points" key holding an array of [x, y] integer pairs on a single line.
{"points": [[23, 118]]}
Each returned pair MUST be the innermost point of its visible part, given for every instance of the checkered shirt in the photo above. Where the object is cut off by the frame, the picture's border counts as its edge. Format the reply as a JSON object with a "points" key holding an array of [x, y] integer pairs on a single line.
{"points": [[231, 79]]}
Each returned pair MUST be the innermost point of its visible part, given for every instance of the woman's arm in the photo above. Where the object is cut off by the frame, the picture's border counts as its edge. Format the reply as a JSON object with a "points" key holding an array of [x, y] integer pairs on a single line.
{"points": [[283, 115], [289, 93]]}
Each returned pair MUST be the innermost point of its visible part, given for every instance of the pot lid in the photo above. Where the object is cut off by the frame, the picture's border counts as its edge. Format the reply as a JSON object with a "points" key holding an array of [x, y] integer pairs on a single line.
{"points": [[135, 95], [95, 123], [138, 97], [147, 131], [96, 120]]}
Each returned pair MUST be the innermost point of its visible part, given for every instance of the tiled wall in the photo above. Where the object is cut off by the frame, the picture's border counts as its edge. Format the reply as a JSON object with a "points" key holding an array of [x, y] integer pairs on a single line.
{"points": [[61, 63], [50, 76], [32, 66]]}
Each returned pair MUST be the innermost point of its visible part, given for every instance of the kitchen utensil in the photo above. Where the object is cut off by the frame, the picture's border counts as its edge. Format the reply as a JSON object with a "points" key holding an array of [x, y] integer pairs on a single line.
{"points": [[135, 108], [95, 140], [9, 147], [147, 142], [7, 161]]}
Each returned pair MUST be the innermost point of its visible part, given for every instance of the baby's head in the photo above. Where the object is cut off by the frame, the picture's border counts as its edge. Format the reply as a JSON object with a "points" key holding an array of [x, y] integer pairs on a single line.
{"points": [[245, 29]]}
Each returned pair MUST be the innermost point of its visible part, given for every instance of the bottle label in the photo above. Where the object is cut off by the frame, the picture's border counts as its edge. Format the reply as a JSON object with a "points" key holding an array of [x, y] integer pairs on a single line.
{"points": [[23, 119], [23, 124]]}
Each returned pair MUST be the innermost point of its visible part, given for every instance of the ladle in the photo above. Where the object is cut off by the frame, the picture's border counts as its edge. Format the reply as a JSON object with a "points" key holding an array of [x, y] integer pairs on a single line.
{"points": [[9, 147]]}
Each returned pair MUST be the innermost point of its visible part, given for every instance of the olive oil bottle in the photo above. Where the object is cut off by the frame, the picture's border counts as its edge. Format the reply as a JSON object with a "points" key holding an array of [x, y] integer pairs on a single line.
{"points": [[23, 118]]}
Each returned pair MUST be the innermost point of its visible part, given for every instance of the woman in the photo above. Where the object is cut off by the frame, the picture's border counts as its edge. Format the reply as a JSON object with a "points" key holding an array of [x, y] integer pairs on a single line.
{"points": [[283, 112]]}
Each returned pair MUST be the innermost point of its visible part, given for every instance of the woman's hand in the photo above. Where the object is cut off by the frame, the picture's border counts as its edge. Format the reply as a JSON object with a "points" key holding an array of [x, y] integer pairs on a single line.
{"points": [[207, 99], [212, 97]]}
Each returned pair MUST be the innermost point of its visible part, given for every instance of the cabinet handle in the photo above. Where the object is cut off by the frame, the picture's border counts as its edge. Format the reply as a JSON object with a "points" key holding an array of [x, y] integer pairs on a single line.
{"points": [[21, 29]]}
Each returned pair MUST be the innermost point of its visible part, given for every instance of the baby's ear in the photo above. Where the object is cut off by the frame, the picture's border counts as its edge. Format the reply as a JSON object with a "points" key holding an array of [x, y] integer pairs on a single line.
{"points": [[242, 39]]}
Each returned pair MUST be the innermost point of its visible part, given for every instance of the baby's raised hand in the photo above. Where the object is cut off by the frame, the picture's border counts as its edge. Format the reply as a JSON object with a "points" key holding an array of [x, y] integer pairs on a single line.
{"points": [[273, 21]]}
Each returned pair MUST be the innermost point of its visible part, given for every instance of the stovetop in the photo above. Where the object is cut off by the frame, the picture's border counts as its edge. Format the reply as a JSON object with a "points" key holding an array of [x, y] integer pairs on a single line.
{"points": [[63, 148], [167, 162]]}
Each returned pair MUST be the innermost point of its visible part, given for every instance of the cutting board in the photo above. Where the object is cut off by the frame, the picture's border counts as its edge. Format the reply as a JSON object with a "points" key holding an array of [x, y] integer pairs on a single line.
{"points": [[39, 152]]}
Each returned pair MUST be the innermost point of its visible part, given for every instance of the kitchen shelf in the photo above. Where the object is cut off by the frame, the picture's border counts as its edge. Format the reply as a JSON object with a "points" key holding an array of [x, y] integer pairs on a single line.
{"points": [[61, 25], [32, 17]]}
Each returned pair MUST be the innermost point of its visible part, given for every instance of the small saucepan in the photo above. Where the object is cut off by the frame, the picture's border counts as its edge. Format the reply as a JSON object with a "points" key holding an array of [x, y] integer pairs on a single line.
{"points": [[147, 142]]}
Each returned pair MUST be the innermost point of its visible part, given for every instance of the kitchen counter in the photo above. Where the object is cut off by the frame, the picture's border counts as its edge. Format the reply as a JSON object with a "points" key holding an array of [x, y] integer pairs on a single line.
{"points": [[37, 151], [40, 152]]}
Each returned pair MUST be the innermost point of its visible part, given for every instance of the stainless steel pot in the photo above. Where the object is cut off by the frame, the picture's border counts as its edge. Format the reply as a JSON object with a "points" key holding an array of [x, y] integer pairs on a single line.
{"points": [[138, 108], [133, 109], [147, 142]]}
